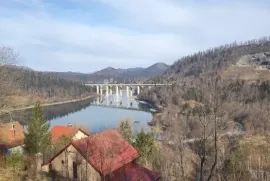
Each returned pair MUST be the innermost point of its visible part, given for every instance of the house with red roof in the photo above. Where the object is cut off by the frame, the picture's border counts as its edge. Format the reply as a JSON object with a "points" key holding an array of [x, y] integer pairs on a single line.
{"points": [[68, 131], [98, 157], [11, 138]]}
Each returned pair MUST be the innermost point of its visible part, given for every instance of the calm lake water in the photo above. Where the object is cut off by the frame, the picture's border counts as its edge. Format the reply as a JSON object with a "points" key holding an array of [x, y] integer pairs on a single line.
{"points": [[105, 112]]}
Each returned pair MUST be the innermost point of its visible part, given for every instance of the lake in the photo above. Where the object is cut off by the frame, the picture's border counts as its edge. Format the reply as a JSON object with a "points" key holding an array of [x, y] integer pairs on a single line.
{"points": [[103, 113]]}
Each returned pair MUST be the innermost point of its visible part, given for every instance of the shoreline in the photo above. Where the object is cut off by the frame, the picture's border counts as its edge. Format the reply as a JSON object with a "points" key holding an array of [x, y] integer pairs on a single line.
{"points": [[46, 104]]}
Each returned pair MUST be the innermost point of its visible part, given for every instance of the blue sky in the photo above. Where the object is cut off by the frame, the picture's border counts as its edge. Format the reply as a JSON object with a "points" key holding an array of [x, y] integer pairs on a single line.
{"points": [[88, 35]]}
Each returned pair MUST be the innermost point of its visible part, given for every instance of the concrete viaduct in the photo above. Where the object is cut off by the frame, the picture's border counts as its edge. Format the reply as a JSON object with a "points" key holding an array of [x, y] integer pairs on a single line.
{"points": [[119, 87]]}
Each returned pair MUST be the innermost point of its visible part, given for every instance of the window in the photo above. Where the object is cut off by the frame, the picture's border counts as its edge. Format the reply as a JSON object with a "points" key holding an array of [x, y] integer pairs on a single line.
{"points": [[75, 170], [50, 167], [63, 167]]}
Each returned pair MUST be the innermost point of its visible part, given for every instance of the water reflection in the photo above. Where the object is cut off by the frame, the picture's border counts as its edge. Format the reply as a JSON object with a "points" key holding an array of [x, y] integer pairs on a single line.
{"points": [[102, 112], [106, 112], [50, 112], [121, 102]]}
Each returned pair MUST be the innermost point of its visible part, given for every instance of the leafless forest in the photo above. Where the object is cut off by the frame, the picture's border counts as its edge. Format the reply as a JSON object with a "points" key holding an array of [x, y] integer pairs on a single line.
{"points": [[215, 126]]}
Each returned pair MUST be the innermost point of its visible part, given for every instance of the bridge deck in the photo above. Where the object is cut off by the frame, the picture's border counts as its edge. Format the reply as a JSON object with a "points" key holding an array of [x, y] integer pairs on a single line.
{"points": [[128, 84]]}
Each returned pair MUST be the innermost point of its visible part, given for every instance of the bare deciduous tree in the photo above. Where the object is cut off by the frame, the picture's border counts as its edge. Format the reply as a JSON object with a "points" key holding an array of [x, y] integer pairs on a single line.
{"points": [[7, 58]]}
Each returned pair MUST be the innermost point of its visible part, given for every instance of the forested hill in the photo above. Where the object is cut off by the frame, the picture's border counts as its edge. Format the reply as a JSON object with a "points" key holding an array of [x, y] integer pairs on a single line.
{"points": [[72, 76], [220, 58], [115, 75], [26, 85], [219, 98], [242, 70]]}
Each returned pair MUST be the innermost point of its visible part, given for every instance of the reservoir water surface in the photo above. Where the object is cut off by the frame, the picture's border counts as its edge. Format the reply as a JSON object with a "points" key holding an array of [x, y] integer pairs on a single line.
{"points": [[106, 112]]}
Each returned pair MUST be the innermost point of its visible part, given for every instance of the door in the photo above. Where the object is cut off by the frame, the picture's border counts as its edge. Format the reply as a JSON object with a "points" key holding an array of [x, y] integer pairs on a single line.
{"points": [[75, 171]]}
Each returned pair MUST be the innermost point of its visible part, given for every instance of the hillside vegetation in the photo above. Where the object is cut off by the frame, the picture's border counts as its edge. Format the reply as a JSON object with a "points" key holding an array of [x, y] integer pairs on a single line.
{"points": [[217, 59], [22, 87], [215, 101]]}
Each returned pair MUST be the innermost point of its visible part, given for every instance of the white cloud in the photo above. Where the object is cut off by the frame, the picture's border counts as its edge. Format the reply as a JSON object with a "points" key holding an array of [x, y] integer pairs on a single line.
{"points": [[160, 12], [60, 41], [147, 31]]}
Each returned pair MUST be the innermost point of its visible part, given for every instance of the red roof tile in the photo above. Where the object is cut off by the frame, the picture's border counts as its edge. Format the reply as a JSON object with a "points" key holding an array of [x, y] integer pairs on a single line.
{"points": [[58, 131], [11, 137], [133, 172], [106, 151]]}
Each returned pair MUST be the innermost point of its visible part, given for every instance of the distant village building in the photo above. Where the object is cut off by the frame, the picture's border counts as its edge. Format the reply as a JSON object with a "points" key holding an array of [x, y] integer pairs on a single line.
{"points": [[11, 138], [102, 156], [67, 131]]}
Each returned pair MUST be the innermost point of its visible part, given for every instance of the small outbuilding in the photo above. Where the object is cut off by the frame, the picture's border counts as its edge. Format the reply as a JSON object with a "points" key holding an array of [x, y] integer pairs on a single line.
{"points": [[11, 138]]}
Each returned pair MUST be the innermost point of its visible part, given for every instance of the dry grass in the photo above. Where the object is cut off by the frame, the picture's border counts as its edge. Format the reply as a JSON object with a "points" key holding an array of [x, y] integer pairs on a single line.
{"points": [[257, 151], [246, 73], [157, 128], [23, 102], [192, 103], [171, 164], [10, 174]]}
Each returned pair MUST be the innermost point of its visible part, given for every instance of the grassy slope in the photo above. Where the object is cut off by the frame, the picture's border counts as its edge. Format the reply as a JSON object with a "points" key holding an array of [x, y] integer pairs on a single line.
{"points": [[28, 102]]}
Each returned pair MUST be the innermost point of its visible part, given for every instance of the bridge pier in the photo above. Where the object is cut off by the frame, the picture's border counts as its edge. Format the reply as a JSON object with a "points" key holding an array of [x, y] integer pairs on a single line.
{"points": [[98, 100], [117, 91], [127, 91], [128, 103], [117, 101], [110, 90], [131, 93], [97, 90], [138, 90], [120, 92], [101, 91], [109, 87], [107, 90]]}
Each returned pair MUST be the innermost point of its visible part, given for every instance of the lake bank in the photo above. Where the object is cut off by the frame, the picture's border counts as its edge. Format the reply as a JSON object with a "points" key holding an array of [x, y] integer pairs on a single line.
{"points": [[3, 111], [97, 112], [51, 110]]}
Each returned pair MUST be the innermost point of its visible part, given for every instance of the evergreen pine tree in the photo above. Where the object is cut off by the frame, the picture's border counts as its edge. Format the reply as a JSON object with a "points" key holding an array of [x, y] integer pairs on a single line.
{"points": [[38, 137], [126, 131], [145, 144]]}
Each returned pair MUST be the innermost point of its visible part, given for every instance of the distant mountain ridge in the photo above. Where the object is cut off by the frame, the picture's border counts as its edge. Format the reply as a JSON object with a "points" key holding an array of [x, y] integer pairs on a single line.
{"points": [[111, 74]]}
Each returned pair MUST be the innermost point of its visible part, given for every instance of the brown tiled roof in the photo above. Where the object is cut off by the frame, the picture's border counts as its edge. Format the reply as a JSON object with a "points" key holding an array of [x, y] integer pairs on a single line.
{"points": [[9, 138], [106, 151], [58, 131]]}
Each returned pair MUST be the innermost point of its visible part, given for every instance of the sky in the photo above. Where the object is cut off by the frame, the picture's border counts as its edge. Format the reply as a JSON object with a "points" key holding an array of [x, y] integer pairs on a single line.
{"points": [[88, 35]]}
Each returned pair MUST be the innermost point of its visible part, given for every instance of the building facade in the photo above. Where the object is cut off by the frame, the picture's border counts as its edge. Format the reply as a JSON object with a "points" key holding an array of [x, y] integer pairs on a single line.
{"points": [[99, 157]]}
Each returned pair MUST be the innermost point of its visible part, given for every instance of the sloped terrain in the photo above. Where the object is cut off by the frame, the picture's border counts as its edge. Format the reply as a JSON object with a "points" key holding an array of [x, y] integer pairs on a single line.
{"points": [[115, 75], [215, 92], [218, 59], [22, 87]]}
